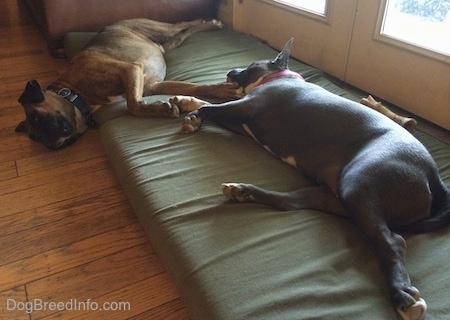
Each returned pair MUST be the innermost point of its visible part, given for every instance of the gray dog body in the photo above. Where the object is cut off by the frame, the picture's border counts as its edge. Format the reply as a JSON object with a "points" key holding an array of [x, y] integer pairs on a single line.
{"points": [[367, 167]]}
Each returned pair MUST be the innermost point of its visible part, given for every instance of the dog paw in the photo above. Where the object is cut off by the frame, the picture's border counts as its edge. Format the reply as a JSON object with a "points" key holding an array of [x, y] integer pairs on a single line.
{"points": [[216, 23], [415, 311], [166, 109], [171, 110], [190, 124], [213, 24], [186, 103], [219, 24], [236, 192], [228, 90]]}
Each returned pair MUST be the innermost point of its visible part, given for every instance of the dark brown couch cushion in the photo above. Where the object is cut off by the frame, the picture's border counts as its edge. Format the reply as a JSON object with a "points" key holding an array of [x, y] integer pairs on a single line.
{"points": [[55, 17]]}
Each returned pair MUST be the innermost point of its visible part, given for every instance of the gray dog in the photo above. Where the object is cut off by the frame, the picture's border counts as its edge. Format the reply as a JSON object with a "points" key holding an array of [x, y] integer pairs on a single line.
{"points": [[368, 168]]}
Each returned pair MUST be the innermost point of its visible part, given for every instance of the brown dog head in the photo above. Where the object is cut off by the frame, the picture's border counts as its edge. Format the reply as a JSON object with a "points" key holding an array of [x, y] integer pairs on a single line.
{"points": [[50, 118]]}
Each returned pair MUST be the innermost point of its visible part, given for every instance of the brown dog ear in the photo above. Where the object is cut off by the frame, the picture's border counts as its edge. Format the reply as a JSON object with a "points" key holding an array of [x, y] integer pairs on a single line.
{"points": [[22, 127], [33, 93]]}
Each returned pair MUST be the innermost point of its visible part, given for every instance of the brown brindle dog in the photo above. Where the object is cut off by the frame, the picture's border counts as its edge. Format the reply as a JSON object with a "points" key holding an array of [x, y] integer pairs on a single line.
{"points": [[124, 58]]}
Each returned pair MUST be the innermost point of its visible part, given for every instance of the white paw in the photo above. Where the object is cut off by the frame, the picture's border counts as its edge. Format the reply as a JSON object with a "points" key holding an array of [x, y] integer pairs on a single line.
{"points": [[236, 192], [218, 23], [415, 311], [191, 124]]}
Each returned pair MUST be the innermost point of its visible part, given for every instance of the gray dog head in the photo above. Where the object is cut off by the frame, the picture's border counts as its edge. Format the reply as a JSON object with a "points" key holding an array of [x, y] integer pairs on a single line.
{"points": [[251, 76]]}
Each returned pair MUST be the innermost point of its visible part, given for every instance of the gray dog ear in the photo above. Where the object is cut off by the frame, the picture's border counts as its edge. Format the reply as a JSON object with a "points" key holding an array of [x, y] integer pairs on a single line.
{"points": [[33, 93], [282, 58]]}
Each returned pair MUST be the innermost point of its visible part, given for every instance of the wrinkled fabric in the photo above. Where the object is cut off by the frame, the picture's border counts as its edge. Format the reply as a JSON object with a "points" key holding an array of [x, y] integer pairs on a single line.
{"points": [[248, 261]]}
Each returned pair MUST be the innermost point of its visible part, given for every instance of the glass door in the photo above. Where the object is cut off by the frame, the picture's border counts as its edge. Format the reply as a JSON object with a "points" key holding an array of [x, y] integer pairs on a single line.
{"points": [[400, 52], [321, 28], [397, 50], [419, 25]]}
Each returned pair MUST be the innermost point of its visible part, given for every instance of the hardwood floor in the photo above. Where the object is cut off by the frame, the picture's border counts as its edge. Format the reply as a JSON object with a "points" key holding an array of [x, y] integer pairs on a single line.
{"points": [[68, 233]]}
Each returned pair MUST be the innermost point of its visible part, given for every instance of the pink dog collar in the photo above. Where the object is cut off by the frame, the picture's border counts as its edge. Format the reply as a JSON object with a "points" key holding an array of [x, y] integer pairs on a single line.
{"points": [[281, 74]]}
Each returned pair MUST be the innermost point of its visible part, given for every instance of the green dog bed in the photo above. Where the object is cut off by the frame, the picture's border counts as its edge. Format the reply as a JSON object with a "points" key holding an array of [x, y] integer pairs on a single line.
{"points": [[249, 261]]}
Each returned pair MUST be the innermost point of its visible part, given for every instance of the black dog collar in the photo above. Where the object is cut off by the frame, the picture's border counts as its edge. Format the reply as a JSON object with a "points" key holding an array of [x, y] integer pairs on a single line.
{"points": [[79, 103]]}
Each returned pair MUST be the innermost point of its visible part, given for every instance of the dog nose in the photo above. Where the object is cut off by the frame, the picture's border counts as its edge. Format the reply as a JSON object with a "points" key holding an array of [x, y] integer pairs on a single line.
{"points": [[234, 72], [232, 75]]}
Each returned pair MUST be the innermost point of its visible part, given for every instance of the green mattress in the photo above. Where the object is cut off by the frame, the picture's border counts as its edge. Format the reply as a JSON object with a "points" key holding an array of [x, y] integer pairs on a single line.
{"points": [[247, 261]]}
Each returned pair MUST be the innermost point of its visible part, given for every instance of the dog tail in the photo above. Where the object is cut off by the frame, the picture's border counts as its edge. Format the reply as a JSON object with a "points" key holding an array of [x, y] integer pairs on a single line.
{"points": [[440, 213]]}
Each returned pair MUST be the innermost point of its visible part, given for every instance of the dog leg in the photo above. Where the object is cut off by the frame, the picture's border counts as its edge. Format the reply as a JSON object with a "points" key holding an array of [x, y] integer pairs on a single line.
{"points": [[231, 115], [389, 246], [195, 27], [391, 249], [133, 80], [408, 123], [316, 198], [226, 90], [163, 32]]}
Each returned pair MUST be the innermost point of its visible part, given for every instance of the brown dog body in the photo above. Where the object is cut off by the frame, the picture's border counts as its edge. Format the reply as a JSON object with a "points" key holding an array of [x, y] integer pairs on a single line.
{"points": [[126, 58]]}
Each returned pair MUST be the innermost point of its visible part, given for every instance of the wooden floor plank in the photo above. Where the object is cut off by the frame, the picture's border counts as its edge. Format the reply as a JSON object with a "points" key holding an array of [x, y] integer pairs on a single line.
{"points": [[63, 232], [34, 194], [144, 295], [8, 170], [24, 65], [12, 304], [73, 255], [67, 226], [172, 310], [89, 148], [93, 279], [53, 212]]}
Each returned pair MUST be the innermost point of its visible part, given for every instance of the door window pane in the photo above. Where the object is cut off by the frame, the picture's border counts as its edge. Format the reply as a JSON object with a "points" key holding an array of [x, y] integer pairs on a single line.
{"points": [[423, 23]]}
